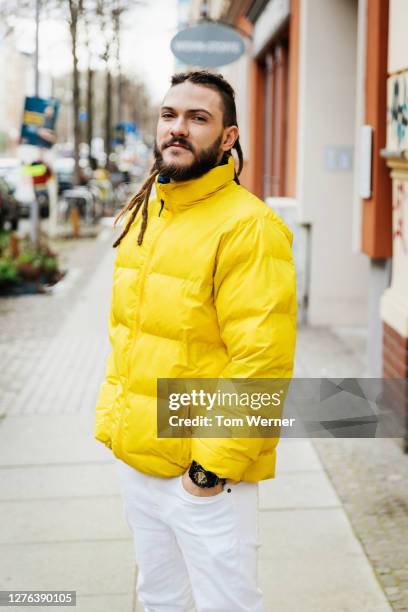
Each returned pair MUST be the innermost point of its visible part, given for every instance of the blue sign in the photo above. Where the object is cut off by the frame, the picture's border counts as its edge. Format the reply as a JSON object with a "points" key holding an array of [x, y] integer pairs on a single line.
{"points": [[128, 127], [122, 129], [208, 45], [40, 115]]}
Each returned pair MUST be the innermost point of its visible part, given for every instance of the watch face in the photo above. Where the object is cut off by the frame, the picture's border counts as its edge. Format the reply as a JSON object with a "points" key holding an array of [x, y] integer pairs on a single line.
{"points": [[201, 478]]}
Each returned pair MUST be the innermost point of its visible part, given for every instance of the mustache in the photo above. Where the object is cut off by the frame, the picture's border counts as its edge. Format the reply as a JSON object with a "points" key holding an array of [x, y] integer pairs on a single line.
{"points": [[181, 141]]}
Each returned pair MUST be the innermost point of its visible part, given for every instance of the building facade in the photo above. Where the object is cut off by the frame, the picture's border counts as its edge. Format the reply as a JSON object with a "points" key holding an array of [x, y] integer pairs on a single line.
{"points": [[394, 301], [323, 110], [302, 132], [15, 84]]}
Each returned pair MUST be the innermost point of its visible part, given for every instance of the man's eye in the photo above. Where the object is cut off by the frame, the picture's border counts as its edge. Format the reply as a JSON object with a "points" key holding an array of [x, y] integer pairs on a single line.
{"points": [[199, 118], [166, 116]]}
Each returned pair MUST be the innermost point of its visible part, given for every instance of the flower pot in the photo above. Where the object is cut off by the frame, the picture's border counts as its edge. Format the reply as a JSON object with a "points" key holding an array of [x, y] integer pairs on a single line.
{"points": [[29, 272]]}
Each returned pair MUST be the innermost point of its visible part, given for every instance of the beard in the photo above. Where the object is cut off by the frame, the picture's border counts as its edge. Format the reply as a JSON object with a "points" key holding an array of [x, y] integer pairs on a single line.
{"points": [[203, 161]]}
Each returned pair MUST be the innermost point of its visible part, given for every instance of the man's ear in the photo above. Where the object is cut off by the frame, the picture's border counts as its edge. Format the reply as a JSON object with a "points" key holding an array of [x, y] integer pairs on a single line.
{"points": [[230, 136]]}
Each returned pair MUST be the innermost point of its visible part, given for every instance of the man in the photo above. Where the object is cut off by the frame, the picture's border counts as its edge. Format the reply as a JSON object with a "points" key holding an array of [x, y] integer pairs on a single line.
{"points": [[41, 175], [204, 287]]}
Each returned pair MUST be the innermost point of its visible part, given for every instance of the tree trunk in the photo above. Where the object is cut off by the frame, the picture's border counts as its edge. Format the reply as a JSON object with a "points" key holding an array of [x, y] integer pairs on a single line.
{"points": [[119, 69], [120, 98], [108, 115], [89, 112], [74, 13]]}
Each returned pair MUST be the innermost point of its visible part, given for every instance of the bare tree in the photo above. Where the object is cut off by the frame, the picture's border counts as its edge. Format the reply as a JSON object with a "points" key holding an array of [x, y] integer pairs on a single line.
{"points": [[75, 13], [103, 14], [10, 9], [119, 8], [116, 15], [109, 13], [89, 84], [137, 106], [69, 10], [88, 21]]}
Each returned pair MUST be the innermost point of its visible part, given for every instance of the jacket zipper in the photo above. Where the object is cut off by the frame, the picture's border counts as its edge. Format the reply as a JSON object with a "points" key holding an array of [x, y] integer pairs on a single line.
{"points": [[118, 433], [142, 282]]}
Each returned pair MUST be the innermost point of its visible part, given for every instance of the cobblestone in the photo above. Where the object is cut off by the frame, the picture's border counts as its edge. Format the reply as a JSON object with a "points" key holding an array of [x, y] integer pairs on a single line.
{"points": [[369, 475], [377, 505]]}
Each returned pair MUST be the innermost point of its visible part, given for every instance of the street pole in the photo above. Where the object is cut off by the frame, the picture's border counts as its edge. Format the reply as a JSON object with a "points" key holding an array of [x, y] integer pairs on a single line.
{"points": [[120, 89], [119, 67], [34, 209], [36, 57], [204, 9]]}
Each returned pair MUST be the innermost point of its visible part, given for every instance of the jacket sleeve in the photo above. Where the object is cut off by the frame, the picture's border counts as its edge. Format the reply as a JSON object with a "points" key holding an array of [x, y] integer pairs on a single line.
{"points": [[108, 392], [255, 300]]}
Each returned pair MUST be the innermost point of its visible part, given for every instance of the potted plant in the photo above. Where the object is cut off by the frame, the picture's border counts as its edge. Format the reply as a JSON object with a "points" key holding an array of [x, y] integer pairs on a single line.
{"points": [[29, 265], [49, 268], [24, 268], [9, 275]]}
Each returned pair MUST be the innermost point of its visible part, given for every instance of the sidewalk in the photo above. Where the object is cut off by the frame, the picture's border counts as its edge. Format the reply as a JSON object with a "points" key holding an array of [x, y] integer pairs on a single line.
{"points": [[61, 521]]}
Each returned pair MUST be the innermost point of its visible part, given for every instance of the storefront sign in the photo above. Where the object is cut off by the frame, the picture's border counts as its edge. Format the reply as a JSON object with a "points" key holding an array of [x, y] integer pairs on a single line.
{"points": [[207, 45]]}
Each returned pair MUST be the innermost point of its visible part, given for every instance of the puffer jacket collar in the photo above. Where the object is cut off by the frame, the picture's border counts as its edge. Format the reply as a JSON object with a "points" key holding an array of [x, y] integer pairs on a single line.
{"points": [[180, 196]]}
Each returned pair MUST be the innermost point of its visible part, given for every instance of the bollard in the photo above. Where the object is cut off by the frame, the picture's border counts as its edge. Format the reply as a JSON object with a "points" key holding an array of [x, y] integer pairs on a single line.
{"points": [[14, 246], [75, 221]]}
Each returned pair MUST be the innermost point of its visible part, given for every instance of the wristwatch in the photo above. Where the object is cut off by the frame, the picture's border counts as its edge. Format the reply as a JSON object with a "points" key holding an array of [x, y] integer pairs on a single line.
{"points": [[203, 478]]}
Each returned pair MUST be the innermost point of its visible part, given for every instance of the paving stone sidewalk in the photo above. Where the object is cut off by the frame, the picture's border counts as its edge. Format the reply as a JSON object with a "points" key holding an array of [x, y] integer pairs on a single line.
{"points": [[61, 518], [370, 476], [28, 323]]}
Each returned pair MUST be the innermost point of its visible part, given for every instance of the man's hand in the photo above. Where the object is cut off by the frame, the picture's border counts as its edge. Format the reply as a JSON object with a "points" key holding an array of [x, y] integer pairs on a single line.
{"points": [[193, 489]]}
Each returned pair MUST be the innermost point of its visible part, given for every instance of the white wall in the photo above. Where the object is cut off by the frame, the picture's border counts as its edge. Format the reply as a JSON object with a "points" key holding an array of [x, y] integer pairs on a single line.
{"points": [[398, 39], [327, 103], [14, 87]]}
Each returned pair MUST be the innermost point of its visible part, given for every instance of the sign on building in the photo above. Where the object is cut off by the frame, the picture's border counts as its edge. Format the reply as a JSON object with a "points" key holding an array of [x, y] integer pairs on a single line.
{"points": [[207, 45]]}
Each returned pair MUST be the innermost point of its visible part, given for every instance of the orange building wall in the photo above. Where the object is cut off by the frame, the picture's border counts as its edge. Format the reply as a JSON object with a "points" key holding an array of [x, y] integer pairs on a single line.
{"points": [[255, 166], [377, 211]]}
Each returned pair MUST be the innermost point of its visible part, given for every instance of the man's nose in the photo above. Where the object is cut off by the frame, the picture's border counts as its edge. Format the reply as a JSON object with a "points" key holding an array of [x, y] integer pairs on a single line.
{"points": [[179, 127]]}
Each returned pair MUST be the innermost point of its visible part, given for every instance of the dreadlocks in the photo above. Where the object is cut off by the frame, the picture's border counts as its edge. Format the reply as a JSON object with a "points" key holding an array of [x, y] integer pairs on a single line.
{"points": [[206, 79], [135, 203]]}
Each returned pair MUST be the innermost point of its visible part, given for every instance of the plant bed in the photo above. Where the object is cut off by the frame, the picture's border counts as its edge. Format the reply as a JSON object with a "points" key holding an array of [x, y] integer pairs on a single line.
{"points": [[29, 287], [25, 268]]}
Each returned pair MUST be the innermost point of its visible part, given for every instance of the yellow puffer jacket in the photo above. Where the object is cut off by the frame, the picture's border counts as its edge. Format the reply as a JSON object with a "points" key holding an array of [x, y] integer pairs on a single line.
{"points": [[209, 294]]}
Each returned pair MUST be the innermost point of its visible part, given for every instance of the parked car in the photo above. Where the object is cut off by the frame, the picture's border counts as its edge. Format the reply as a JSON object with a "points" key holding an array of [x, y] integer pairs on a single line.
{"points": [[11, 170], [9, 211]]}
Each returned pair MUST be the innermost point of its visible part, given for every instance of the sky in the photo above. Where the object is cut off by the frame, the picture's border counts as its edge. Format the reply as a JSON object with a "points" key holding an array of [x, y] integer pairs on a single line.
{"points": [[146, 44], [145, 49]]}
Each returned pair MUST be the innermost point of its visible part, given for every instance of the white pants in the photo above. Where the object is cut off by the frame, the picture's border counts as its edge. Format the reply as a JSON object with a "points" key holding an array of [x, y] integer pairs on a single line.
{"points": [[192, 551]]}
